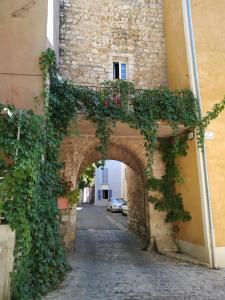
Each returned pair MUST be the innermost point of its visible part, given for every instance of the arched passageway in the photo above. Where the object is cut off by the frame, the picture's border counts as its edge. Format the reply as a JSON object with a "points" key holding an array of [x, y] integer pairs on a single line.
{"points": [[137, 195], [108, 262], [127, 146]]}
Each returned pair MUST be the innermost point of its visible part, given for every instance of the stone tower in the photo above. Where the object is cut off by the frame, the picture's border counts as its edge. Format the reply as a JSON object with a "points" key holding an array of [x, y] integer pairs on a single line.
{"points": [[96, 34]]}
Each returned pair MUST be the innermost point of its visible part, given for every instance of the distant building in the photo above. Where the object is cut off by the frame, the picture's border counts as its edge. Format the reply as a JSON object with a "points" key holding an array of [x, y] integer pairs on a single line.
{"points": [[88, 195], [109, 181]]}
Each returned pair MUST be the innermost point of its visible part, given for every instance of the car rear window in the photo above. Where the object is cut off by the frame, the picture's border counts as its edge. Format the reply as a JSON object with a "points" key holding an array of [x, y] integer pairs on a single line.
{"points": [[118, 200]]}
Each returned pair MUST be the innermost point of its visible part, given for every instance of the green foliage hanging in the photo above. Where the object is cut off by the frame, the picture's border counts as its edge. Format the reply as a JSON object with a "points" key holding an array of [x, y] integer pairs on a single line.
{"points": [[87, 176], [119, 100], [142, 109], [28, 194], [30, 170], [168, 200]]}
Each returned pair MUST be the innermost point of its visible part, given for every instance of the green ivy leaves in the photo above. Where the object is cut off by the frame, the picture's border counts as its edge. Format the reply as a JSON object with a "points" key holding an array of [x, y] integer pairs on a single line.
{"points": [[30, 170], [29, 189], [168, 200], [142, 109]]}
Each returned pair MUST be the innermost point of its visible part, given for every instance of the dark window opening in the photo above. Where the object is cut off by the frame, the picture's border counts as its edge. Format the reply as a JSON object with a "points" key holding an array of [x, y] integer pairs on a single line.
{"points": [[105, 194], [116, 70]]}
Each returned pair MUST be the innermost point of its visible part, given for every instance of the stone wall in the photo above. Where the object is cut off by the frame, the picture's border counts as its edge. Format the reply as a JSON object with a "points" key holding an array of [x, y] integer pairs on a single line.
{"points": [[127, 145], [77, 153], [7, 243], [137, 217], [94, 33], [68, 228]]}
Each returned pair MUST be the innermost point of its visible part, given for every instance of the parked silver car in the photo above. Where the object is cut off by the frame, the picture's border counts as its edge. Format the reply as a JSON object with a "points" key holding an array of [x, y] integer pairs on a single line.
{"points": [[125, 209], [115, 204]]}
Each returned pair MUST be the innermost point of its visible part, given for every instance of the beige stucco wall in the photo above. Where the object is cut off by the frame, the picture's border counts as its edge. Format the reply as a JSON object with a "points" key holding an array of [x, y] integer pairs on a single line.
{"points": [[95, 33], [23, 38], [210, 49], [178, 78]]}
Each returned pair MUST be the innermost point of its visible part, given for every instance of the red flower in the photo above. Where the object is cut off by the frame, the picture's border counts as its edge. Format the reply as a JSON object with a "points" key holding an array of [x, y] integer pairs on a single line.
{"points": [[117, 100], [106, 103], [70, 184]]}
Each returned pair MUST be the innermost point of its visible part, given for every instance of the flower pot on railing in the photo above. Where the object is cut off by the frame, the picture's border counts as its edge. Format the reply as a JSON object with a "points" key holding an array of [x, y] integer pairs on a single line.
{"points": [[63, 203], [64, 206], [69, 199]]}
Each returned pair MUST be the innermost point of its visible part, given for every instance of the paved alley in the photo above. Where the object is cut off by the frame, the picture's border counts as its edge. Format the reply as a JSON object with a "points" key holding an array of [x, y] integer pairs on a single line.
{"points": [[109, 264]]}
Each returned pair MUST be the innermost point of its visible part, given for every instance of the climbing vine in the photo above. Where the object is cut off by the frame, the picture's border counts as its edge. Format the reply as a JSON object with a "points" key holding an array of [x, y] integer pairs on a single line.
{"points": [[142, 109], [87, 176], [167, 200], [29, 188], [119, 100], [30, 178]]}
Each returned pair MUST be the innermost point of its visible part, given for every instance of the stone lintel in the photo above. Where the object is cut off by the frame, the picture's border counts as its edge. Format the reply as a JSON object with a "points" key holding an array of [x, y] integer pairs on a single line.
{"points": [[86, 128]]}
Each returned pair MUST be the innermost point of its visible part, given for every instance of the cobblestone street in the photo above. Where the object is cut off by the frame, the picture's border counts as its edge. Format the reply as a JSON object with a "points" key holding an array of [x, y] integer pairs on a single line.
{"points": [[109, 264]]}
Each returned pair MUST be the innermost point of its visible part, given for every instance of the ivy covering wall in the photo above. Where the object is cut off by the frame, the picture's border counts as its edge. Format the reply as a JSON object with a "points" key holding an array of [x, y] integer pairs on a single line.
{"points": [[28, 195], [30, 167]]}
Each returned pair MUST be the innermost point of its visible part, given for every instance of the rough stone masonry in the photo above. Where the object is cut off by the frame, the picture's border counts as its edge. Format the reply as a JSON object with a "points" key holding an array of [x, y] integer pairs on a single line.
{"points": [[94, 33]]}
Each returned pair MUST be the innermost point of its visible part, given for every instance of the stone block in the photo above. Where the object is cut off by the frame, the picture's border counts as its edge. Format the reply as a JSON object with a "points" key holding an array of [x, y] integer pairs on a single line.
{"points": [[68, 229], [7, 244], [128, 29]]}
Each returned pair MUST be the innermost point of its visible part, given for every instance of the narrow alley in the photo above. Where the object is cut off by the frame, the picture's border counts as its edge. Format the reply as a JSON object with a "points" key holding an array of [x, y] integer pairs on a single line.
{"points": [[109, 264]]}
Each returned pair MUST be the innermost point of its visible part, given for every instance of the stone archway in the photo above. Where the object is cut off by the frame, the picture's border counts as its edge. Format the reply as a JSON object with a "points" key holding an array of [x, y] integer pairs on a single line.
{"points": [[137, 194], [127, 146]]}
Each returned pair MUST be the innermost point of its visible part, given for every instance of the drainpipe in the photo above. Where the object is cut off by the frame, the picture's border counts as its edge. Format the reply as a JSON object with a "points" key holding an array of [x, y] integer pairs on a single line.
{"points": [[202, 161]]}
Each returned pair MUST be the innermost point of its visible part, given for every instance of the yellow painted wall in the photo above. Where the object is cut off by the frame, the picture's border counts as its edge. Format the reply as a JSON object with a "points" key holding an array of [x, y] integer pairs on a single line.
{"points": [[177, 68], [210, 47], [191, 231], [22, 39], [178, 78]]}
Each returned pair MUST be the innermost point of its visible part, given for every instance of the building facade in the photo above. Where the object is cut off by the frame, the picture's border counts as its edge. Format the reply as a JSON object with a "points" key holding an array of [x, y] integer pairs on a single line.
{"points": [[152, 43], [95, 35], [109, 181]]}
